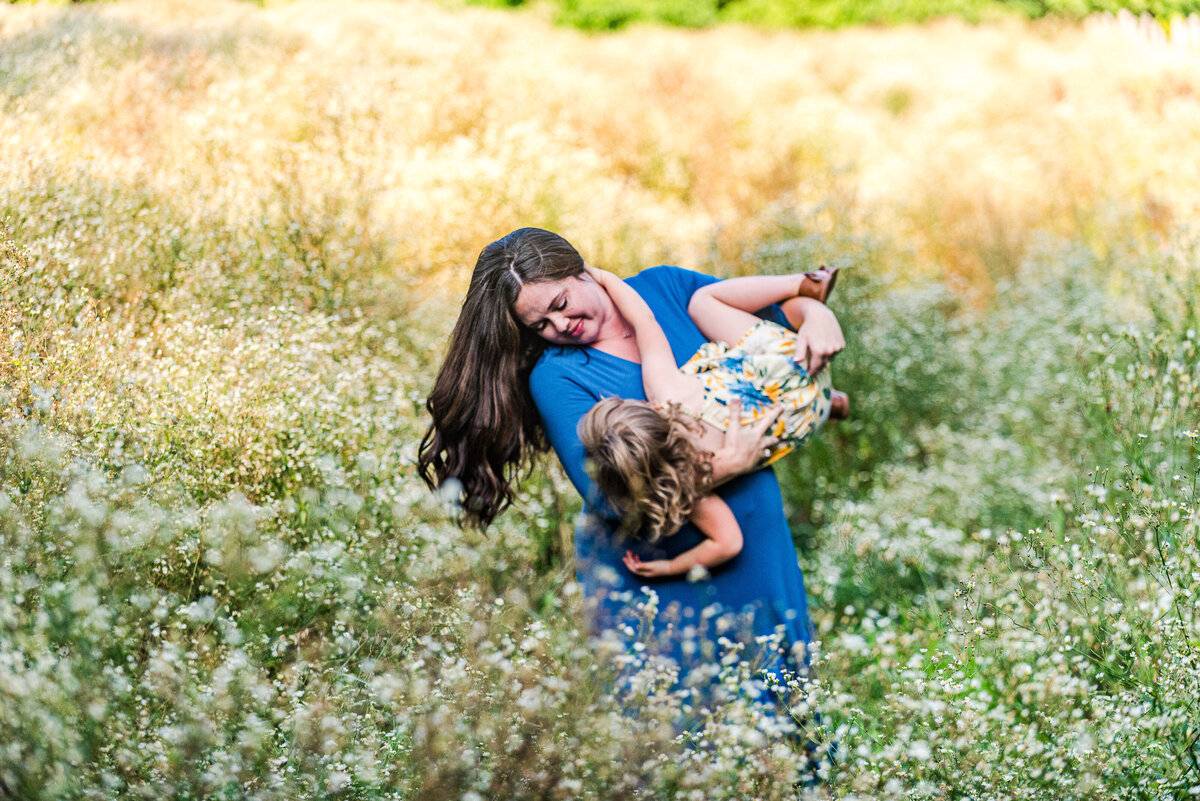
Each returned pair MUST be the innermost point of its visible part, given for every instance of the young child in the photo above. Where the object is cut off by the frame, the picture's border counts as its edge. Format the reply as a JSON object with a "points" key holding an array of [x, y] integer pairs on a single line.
{"points": [[651, 458]]}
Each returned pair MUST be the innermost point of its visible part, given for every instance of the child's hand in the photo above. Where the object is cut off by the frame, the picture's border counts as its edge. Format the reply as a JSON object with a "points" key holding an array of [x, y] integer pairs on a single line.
{"points": [[818, 339], [652, 569], [601, 277]]}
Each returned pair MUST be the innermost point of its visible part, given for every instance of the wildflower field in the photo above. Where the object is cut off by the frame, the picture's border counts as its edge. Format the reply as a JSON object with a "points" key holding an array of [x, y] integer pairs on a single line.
{"points": [[234, 239]]}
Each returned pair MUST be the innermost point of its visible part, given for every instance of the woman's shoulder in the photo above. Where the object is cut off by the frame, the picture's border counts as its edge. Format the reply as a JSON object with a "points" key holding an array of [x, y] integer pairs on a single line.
{"points": [[662, 274], [657, 273], [669, 280]]}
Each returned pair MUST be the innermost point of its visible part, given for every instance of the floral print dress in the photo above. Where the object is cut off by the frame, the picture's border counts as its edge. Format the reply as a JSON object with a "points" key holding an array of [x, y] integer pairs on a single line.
{"points": [[759, 370]]}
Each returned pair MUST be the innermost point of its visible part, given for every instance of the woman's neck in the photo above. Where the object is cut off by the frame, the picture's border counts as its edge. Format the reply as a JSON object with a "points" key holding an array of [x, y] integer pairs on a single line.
{"points": [[617, 338]]}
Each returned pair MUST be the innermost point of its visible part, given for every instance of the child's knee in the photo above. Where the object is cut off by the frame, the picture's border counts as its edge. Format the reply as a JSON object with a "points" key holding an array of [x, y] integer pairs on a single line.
{"points": [[793, 311]]}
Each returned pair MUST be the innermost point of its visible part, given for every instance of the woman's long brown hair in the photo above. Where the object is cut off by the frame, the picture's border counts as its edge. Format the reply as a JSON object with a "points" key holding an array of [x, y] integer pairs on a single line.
{"points": [[485, 428]]}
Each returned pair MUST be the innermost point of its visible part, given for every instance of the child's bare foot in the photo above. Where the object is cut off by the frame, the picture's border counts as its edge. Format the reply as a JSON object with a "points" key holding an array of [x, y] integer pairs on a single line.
{"points": [[839, 405]]}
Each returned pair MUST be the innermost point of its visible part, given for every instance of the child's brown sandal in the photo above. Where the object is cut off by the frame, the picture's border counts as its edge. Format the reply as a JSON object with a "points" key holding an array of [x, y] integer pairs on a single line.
{"points": [[818, 284]]}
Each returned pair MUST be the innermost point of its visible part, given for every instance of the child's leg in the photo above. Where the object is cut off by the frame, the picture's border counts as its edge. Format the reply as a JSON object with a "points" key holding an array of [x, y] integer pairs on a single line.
{"points": [[794, 312], [719, 321], [723, 311], [752, 292]]}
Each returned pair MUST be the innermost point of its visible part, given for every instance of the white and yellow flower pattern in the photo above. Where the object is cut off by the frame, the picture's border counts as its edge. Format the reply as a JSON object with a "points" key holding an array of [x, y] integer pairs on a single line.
{"points": [[760, 371]]}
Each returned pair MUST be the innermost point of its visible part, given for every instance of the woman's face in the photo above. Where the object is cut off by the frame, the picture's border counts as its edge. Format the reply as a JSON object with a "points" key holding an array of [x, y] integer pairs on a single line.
{"points": [[568, 311]]}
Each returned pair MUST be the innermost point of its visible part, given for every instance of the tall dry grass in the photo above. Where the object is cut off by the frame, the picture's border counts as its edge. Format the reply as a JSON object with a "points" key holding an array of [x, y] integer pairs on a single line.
{"points": [[427, 132]]}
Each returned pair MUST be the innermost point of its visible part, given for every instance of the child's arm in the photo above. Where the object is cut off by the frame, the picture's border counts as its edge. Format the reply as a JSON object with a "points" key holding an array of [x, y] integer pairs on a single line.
{"points": [[715, 520], [660, 376]]}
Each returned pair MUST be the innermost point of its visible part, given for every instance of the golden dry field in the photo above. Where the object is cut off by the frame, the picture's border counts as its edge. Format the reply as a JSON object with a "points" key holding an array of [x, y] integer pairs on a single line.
{"points": [[432, 130], [234, 242]]}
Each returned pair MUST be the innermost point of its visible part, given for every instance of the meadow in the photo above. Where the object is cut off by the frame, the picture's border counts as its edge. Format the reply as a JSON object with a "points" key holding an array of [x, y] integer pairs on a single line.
{"points": [[234, 240]]}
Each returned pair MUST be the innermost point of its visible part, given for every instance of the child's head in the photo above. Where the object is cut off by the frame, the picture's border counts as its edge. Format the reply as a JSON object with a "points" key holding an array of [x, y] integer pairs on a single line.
{"points": [[645, 462]]}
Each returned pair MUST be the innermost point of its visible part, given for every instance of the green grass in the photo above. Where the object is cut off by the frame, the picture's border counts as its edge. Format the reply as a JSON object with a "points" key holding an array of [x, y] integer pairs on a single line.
{"points": [[607, 15]]}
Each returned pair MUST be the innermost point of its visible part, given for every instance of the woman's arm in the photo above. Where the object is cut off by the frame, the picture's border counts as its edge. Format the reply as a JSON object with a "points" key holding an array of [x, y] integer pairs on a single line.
{"points": [[716, 521], [744, 447]]}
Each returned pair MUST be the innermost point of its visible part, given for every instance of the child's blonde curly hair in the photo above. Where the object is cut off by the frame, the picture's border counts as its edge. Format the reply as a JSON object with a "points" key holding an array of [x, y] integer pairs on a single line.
{"points": [[645, 463]]}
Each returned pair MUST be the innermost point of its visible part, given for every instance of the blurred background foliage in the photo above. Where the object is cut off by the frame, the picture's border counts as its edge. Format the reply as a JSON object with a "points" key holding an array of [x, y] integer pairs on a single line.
{"points": [[600, 15]]}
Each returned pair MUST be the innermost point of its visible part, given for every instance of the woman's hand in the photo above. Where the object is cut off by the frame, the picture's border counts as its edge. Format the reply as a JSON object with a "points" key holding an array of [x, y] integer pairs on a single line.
{"points": [[744, 447], [819, 337]]}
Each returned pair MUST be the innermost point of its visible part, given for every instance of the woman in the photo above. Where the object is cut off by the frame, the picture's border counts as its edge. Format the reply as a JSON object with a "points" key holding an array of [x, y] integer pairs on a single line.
{"points": [[537, 344]]}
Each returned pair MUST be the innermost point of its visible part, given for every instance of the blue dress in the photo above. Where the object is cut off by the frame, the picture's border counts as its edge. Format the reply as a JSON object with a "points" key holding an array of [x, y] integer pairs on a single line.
{"points": [[758, 592]]}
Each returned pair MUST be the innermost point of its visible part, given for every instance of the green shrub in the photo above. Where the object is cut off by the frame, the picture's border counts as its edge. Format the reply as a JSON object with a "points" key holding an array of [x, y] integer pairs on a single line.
{"points": [[607, 15]]}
